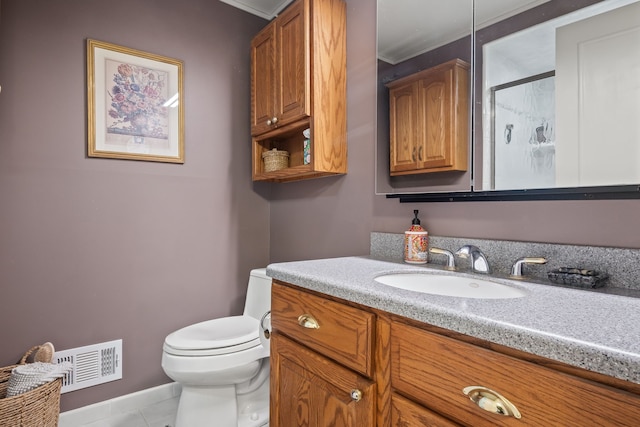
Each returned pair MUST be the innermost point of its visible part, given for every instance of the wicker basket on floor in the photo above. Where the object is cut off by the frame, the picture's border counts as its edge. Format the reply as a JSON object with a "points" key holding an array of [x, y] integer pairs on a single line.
{"points": [[39, 407]]}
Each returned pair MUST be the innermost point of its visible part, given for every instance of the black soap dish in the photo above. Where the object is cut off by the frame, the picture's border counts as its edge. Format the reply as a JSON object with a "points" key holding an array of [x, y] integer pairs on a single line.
{"points": [[578, 277]]}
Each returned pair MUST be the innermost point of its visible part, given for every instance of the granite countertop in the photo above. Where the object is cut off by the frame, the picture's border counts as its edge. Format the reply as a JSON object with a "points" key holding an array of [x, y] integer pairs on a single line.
{"points": [[595, 331]]}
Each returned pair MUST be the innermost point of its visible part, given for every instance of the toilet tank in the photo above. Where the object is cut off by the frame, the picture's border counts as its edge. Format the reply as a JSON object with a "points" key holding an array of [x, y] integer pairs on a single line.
{"points": [[258, 300]]}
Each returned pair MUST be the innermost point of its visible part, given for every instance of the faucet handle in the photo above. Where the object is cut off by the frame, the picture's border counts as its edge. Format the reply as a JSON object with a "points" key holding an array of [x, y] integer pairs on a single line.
{"points": [[451, 260], [516, 269]]}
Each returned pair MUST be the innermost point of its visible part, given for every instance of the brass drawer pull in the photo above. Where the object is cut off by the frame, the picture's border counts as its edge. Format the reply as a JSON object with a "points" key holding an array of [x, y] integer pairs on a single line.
{"points": [[356, 395], [491, 401], [307, 321]]}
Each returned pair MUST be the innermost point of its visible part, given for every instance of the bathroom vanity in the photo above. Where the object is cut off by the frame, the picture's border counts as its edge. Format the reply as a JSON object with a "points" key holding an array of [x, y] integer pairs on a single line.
{"points": [[347, 350]]}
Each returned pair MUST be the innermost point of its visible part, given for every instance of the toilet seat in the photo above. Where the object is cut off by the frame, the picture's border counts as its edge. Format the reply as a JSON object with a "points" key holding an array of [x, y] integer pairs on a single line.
{"points": [[214, 337]]}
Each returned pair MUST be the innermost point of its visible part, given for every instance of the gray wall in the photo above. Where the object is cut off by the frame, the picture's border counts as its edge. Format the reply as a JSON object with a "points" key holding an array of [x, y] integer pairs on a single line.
{"points": [[99, 249]]}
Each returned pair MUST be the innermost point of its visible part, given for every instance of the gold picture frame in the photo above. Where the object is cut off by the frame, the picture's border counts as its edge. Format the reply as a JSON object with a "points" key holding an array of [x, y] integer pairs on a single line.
{"points": [[135, 103]]}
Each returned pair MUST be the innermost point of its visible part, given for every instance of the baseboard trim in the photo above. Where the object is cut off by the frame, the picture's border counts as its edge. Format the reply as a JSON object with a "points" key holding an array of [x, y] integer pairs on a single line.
{"points": [[128, 407]]}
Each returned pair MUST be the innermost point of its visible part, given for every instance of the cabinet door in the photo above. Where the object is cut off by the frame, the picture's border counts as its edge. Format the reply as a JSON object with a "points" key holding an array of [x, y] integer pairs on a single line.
{"points": [[434, 121], [429, 124], [406, 413], [292, 38], [403, 106], [312, 391], [263, 80]]}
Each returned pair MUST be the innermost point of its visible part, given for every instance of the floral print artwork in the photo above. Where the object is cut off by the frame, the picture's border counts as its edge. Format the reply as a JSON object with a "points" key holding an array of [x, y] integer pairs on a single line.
{"points": [[135, 98]]}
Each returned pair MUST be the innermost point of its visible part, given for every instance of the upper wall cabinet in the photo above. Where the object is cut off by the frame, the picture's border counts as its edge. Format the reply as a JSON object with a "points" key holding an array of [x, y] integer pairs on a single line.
{"points": [[429, 120], [279, 78], [298, 82]]}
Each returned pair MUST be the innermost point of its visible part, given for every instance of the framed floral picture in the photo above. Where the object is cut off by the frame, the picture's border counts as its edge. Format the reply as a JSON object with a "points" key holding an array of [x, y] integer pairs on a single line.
{"points": [[135, 104]]}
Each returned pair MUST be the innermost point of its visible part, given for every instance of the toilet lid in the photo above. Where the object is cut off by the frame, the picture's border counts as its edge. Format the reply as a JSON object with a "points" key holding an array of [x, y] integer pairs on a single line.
{"points": [[227, 334]]}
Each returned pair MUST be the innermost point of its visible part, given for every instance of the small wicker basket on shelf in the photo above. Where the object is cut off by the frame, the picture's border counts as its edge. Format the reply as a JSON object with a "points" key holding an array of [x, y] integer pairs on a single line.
{"points": [[275, 160], [39, 407]]}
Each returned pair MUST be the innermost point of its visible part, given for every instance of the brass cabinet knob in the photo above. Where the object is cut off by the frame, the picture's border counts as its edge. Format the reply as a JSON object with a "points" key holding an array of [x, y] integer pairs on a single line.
{"points": [[307, 321], [491, 401], [356, 395]]}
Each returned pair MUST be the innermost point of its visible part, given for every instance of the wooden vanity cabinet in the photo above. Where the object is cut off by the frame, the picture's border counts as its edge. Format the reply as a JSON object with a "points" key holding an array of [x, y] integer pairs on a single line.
{"points": [[298, 82], [314, 343], [411, 374], [429, 120]]}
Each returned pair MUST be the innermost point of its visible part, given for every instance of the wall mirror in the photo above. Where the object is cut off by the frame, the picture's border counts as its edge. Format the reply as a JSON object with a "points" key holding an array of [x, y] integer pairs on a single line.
{"points": [[412, 38], [556, 98]]}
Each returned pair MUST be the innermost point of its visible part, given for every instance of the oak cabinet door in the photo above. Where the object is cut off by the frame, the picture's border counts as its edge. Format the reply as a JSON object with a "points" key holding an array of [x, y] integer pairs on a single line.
{"points": [[406, 413], [435, 129], [403, 108], [280, 70], [428, 120], [292, 32], [263, 80], [312, 391]]}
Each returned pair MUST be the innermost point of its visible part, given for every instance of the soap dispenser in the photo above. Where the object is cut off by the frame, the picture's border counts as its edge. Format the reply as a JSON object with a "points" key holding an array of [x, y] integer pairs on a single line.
{"points": [[416, 242]]}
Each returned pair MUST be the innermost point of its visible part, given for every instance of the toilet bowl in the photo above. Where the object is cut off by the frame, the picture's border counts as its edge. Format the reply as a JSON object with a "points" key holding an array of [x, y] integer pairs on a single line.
{"points": [[222, 365]]}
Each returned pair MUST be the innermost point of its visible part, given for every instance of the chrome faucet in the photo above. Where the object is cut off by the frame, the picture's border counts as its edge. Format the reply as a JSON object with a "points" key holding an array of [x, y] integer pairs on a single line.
{"points": [[516, 269], [479, 263]]}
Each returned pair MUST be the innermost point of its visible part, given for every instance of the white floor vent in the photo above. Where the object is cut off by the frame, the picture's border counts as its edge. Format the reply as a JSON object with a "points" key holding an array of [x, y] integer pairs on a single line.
{"points": [[92, 365]]}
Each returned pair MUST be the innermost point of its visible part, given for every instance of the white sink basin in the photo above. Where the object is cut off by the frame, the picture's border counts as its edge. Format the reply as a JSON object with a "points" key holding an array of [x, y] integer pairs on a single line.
{"points": [[450, 285]]}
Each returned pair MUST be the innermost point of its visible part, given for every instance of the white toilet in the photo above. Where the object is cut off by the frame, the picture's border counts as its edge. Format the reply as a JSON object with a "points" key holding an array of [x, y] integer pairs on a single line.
{"points": [[223, 366]]}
